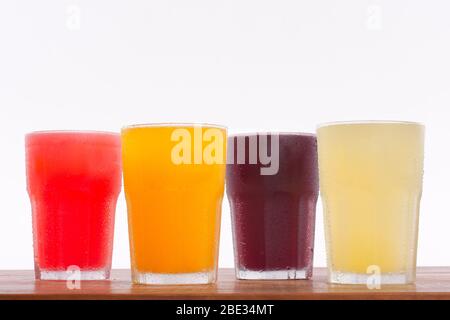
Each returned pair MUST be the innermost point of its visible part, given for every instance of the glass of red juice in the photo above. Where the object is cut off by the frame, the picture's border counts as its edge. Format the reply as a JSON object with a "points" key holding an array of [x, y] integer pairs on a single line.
{"points": [[273, 212], [73, 180]]}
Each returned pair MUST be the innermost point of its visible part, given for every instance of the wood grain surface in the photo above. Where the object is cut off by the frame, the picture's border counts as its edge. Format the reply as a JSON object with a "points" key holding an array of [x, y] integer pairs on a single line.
{"points": [[432, 283]]}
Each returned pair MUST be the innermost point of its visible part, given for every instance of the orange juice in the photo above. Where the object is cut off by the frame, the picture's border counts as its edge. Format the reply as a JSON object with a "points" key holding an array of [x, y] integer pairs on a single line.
{"points": [[174, 183]]}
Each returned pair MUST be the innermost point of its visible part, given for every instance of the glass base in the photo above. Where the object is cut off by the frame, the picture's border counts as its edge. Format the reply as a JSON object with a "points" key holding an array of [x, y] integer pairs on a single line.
{"points": [[68, 275], [174, 278], [301, 274], [369, 279]]}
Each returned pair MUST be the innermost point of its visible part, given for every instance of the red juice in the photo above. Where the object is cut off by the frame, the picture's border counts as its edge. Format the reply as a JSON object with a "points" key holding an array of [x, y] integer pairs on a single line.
{"points": [[273, 215], [74, 179]]}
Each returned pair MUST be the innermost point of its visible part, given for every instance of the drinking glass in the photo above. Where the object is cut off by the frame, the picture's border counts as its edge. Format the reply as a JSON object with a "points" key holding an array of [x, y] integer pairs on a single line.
{"points": [[174, 181], [371, 186], [273, 204], [73, 179]]}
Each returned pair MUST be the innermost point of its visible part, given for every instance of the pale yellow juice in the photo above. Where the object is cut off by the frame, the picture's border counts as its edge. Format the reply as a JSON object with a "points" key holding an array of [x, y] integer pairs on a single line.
{"points": [[371, 185]]}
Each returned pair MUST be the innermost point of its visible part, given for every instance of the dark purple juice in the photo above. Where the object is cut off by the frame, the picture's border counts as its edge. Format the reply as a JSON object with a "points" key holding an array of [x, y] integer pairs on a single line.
{"points": [[273, 215]]}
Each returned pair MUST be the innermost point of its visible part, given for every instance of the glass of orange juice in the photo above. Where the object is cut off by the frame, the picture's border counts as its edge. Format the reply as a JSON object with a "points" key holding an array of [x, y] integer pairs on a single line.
{"points": [[174, 177]]}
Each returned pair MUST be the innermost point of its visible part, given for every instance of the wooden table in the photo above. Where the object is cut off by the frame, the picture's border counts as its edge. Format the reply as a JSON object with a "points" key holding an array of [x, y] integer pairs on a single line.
{"points": [[432, 283]]}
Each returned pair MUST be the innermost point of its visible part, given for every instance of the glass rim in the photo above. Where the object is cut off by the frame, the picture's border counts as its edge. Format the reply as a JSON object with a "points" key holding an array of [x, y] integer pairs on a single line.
{"points": [[174, 125], [75, 132], [286, 133], [367, 122]]}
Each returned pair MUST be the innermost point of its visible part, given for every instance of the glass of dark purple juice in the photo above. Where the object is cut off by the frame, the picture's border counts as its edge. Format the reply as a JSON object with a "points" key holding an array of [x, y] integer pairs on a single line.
{"points": [[272, 186]]}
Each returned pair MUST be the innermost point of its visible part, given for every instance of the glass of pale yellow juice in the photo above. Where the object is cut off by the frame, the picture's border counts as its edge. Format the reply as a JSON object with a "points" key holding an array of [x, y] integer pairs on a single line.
{"points": [[371, 186], [174, 177]]}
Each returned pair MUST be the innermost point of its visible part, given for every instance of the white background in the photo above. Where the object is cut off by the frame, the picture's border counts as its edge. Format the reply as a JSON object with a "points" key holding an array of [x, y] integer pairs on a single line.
{"points": [[248, 64]]}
